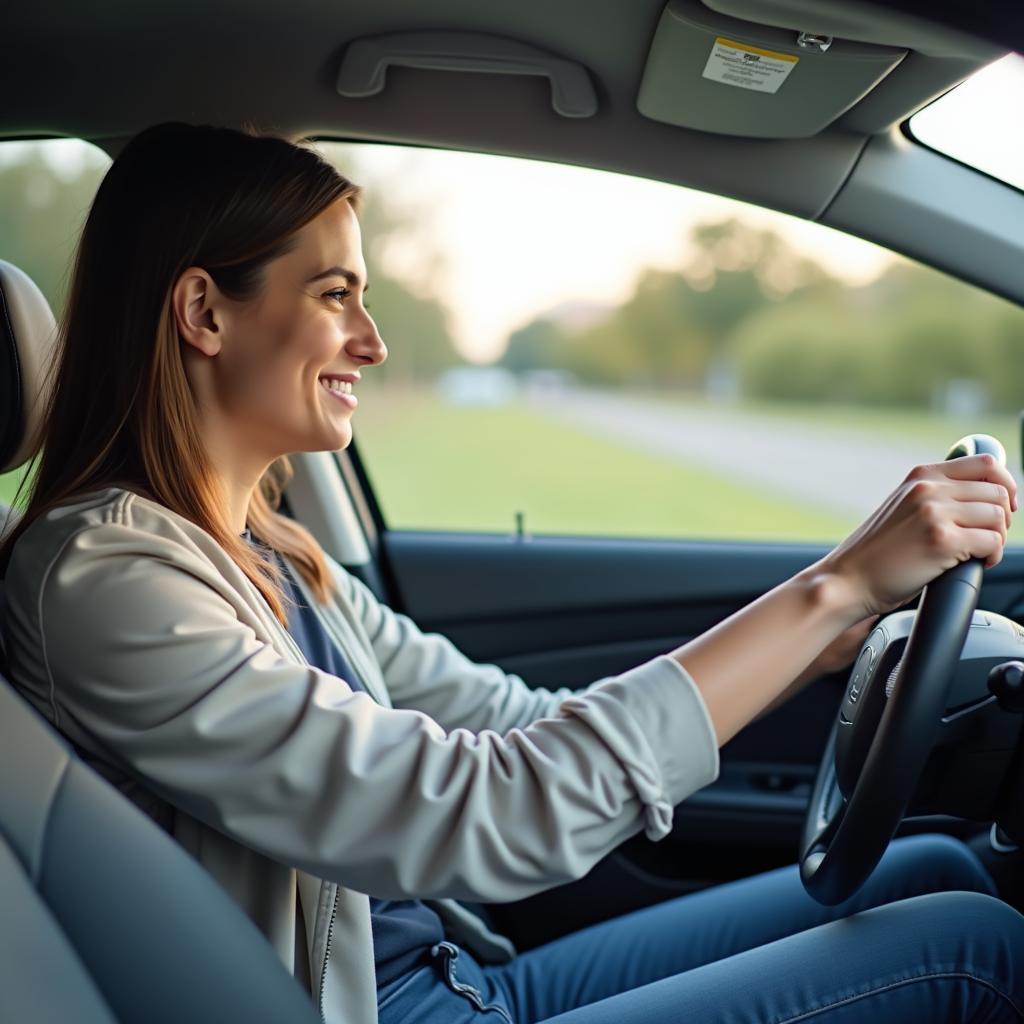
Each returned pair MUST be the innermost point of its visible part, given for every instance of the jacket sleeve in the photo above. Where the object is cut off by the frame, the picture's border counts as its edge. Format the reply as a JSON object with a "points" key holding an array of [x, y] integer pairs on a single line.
{"points": [[151, 661], [427, 672]]}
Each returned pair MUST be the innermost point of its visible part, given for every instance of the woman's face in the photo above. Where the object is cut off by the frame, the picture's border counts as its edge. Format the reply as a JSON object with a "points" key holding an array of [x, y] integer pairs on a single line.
{"points": [[288, 368]]}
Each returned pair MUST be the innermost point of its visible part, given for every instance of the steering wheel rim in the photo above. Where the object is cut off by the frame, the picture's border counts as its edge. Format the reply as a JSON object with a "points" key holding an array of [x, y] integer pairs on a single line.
{"points": [[843, 841]]}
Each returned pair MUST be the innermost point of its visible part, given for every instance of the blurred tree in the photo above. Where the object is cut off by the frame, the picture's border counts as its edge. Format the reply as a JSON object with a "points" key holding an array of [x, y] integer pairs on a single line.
{"points": [[654, 338], [540, 344], [677, 325], [1003, 362], [790, 331], [803, 351], [901, 341]]}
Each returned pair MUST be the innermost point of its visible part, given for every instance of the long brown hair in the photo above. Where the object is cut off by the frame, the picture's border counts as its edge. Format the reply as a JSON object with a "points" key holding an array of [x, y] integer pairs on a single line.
{"points": [[120, 408]]}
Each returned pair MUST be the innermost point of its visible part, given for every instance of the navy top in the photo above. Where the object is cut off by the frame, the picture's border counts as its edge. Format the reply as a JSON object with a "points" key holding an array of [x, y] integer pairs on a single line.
{"points": [[403, 930]]}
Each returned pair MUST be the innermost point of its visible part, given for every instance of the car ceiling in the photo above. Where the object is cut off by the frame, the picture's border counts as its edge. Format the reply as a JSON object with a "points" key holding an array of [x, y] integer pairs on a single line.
{"points": [[105, 74]]}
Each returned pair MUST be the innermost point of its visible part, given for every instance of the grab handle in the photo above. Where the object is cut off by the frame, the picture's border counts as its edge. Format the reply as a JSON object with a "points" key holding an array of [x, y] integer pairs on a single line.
{"points": [[364, 66]]}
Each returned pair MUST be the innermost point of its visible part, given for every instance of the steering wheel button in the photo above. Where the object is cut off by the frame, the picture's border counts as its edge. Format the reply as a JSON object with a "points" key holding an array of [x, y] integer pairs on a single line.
{"points": [[860, 673]]}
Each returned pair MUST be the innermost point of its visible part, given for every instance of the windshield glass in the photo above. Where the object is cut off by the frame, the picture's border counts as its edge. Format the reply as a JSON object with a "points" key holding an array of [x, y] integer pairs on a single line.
{"points": [[978, 123]]}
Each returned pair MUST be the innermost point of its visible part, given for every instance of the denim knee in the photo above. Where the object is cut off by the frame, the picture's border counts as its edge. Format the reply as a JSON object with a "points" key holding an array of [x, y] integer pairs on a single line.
{"points": [[970, 933], [956, 866]]}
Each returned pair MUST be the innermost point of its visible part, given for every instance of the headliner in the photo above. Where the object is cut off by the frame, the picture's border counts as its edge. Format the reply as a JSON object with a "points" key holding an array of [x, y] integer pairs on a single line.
{"points": [[104, 76]]}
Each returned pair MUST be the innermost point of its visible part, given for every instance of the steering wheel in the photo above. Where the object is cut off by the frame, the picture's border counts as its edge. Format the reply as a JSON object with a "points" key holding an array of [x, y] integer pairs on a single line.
{"points": [[886, 727]]}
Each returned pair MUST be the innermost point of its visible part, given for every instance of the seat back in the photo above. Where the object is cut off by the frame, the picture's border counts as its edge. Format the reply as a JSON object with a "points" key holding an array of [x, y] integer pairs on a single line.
{"points": [[105, 918], [28, 338]]}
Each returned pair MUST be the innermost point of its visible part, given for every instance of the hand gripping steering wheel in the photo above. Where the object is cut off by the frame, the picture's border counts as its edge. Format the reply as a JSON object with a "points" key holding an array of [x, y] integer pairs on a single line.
{"points": [[886, 727]]}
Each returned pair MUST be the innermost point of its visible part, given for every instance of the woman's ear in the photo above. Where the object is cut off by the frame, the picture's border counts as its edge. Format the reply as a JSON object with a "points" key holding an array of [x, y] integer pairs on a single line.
{"points": [[195, 301]]}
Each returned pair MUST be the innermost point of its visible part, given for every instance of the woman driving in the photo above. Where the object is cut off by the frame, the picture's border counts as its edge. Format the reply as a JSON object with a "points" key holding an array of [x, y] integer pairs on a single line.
{"points": [[346, 777]]}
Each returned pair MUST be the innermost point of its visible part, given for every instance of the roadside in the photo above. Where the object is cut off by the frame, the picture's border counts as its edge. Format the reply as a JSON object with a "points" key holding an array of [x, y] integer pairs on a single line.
{"points": [[835, 467]]}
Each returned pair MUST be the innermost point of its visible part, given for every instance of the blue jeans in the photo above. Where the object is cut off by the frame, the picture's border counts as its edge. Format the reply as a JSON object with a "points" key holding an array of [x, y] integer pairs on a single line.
{"points": [[927, 943]]}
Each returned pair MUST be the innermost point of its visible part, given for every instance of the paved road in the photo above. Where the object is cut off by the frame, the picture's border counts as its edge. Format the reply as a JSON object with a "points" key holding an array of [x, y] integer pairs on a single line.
{"points": [[833, 469]]}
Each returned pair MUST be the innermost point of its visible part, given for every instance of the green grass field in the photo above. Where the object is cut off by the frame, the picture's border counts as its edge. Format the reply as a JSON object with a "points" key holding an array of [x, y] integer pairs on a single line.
{"points": [[441, 467]]}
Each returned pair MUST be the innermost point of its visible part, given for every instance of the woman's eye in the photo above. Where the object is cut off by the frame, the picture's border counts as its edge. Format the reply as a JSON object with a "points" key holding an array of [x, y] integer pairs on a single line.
{"points": [[338, 294]]}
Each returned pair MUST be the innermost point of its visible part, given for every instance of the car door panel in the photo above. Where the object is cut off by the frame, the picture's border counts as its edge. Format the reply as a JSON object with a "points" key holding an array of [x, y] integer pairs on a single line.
{"points": [[567, 611]]}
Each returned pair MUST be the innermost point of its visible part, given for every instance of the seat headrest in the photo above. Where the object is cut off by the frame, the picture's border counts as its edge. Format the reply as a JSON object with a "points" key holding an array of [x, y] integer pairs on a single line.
{"points": [[28, 336]]}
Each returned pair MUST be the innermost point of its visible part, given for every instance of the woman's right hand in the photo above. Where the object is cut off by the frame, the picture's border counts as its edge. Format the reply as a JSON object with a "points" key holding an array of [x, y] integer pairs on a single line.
{"points": [[941, 515]]}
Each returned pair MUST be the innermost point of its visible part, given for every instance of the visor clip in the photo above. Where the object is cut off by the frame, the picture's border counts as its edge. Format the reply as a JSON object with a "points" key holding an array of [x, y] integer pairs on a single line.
{"points": [[813, 41]]}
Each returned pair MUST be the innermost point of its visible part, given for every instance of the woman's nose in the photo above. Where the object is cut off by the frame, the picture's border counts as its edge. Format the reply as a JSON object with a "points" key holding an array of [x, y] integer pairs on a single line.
{"points": [[366, 343]]}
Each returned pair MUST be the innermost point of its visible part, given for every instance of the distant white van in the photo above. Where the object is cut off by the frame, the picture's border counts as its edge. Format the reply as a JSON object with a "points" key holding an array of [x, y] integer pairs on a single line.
{"points": [[477, 385]]}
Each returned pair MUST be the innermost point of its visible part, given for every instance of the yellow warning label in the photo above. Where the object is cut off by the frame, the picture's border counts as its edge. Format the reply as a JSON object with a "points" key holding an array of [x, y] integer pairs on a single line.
{"points": [[748, 67], [754, 49]]}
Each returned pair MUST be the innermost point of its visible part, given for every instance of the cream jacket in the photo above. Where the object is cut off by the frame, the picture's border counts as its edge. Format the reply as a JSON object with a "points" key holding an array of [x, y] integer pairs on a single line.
{"points": [[134, 633]]}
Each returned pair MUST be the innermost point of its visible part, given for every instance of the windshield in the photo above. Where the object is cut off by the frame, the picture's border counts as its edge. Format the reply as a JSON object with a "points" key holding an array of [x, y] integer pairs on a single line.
{"points": [[978, 122]]}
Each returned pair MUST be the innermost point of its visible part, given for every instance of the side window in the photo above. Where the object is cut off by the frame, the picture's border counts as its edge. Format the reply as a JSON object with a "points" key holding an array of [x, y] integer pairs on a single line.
{"points": [[45, 191], [601, 355]]}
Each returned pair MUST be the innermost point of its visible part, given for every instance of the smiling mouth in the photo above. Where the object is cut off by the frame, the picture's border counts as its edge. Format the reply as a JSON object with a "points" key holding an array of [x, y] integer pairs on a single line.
{"points": [[340, 391], [343, 387]]}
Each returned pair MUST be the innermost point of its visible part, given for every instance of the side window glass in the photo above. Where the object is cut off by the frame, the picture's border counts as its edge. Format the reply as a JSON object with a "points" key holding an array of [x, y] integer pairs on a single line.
{"points": [[601, 355], [45, 191]]}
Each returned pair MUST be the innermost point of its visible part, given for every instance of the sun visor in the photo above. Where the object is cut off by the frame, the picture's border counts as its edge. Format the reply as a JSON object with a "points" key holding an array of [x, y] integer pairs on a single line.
{"points": [[715, 73]]}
